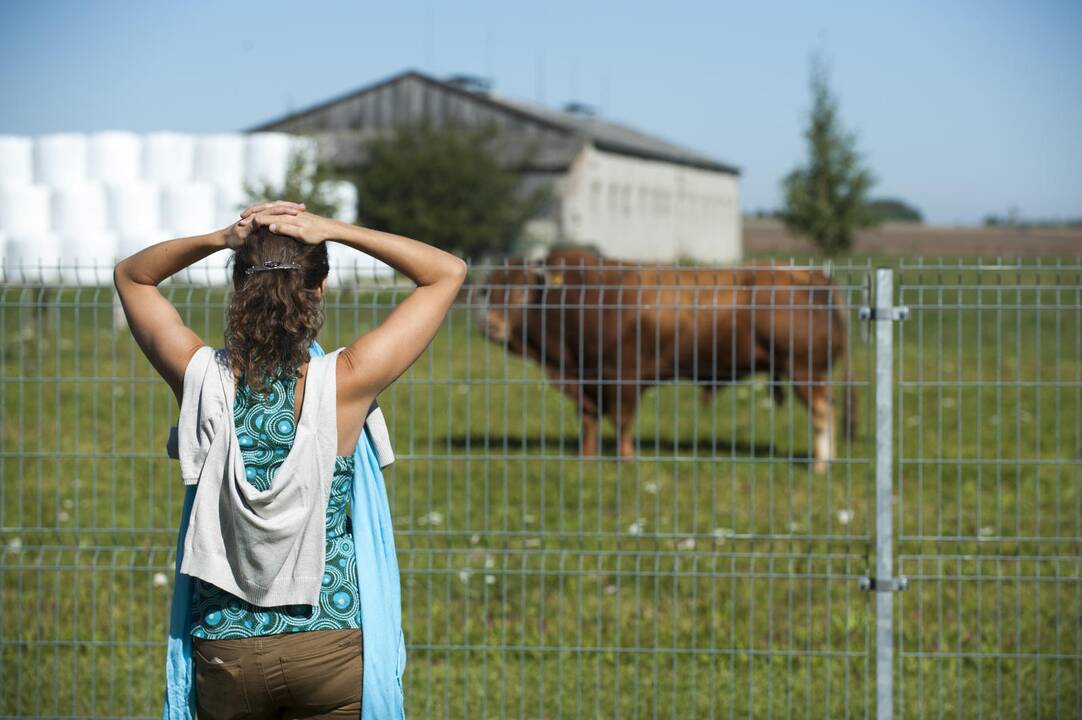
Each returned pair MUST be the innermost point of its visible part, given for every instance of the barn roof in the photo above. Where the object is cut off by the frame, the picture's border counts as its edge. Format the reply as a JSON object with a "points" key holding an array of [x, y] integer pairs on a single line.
{"points": [[614, 137], [604, 134]]}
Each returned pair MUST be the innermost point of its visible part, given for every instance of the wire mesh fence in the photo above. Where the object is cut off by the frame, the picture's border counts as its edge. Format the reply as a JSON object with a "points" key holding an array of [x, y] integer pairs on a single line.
{"points": [[620, 491], [989, 511]]}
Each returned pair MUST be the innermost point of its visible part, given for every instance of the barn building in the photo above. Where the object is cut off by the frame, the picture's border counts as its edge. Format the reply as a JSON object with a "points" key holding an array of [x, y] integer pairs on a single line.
{"points": [[630, 194]]}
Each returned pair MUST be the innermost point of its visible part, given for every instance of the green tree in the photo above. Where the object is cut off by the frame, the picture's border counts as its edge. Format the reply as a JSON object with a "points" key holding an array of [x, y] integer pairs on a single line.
{"points": [[448, 186], [825, 198]]}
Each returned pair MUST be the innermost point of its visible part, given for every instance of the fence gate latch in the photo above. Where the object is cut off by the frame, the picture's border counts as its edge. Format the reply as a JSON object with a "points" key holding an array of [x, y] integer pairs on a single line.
{"points": [[895, 584]]}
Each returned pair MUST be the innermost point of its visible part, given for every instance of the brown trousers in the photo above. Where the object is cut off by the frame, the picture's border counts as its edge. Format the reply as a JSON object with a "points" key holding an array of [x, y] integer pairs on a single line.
{"points": [[309, 674]]}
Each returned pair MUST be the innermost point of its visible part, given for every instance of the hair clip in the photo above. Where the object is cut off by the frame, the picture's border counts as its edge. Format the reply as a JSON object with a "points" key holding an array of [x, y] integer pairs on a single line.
{"points": [[271, 265]]}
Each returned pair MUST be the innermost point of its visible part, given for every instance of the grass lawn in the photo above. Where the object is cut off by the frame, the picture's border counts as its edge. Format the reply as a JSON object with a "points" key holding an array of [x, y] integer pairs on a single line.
{"points": [[714, 575]]}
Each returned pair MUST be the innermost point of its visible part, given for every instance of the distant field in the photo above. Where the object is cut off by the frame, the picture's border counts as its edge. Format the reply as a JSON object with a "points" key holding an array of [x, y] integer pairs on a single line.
{"points": [[764, 236], [712, 576]]}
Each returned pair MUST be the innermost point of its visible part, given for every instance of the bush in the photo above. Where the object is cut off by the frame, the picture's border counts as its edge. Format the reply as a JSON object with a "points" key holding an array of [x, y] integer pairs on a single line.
{"points": [[446, 186]]}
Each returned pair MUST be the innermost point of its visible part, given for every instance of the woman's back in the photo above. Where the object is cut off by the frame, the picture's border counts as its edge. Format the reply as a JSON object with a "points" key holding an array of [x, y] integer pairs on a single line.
{"points": [[352, 407], [266, 426]]}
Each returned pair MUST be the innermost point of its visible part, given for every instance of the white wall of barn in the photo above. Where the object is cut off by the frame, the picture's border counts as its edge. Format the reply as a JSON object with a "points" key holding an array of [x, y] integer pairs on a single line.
{"points": [[651, 210]]}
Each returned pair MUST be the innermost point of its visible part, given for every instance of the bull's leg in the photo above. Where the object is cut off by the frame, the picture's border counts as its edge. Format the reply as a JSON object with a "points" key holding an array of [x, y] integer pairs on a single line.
{"points": [[585, 397], [820, 403], [625, 428], [777, 388], [627, 440], [588, 442], [823, 426], [622, 414]]}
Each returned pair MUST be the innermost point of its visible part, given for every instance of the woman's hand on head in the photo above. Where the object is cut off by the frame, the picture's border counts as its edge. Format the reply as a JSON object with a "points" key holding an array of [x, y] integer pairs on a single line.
{"points": [[307, 227], [260, 214]]}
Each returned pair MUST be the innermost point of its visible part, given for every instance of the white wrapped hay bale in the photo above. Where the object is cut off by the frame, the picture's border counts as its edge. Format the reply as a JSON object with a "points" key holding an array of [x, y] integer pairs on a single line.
{"points": [[341, 260], [16, 160], [267, 159], [189, 209], [134, 208], [346, 263], [308, 151], [24, 210], [87, 257], [210, 271], [230, 200], [60, 159], [168, 158], [344, 196], [307, 148], [131, 243], [79, 207], [114, 157], [219, 159], [349, 267], [32, 257]]}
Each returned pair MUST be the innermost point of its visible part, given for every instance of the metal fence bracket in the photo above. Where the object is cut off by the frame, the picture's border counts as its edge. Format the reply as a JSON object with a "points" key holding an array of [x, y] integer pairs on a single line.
{"points": [[900, 312], [894, 584]]}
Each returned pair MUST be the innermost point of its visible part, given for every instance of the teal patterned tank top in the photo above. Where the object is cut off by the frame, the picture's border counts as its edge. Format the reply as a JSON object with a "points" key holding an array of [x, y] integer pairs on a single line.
{"points": [[265, 432]]}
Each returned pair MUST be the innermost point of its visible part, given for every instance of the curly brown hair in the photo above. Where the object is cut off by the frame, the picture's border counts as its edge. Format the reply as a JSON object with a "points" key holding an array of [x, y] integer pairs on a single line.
{"points": [[275, 315]]}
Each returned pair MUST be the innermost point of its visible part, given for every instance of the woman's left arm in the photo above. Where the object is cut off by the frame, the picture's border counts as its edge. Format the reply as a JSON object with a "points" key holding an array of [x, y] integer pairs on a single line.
{"points": [[156, 325]]}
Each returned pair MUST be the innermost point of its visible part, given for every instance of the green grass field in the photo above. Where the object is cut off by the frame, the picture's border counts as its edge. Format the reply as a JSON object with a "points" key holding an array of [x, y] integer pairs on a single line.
{"points": [[714, 575]]}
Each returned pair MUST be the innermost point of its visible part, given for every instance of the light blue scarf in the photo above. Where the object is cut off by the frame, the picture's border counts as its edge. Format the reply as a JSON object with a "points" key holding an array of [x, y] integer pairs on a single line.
{"points": [[380, 611]]}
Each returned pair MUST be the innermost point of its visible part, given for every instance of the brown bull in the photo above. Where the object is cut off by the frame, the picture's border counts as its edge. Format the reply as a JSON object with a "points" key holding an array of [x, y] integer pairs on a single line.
{"points": [[606, 330]]}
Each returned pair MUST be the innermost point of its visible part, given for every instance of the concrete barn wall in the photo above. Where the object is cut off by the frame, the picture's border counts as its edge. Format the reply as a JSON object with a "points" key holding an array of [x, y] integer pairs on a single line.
{"points": [[650, 210]]}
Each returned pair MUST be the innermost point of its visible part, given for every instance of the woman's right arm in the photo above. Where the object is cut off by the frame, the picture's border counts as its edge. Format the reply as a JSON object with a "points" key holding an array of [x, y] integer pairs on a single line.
{"points": [[376, 359]]}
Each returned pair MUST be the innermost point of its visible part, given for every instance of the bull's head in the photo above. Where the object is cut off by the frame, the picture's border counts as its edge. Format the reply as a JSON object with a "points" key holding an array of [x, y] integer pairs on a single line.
{"points": [[507, 294]]}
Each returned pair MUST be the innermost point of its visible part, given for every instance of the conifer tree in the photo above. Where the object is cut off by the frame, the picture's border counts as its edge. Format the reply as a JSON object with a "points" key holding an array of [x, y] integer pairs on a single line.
{"points": [[825, 198]]}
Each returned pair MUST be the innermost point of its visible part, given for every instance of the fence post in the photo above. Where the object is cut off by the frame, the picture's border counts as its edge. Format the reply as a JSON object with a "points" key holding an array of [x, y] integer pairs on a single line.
{"points": [[884, 314], [884, 531]]}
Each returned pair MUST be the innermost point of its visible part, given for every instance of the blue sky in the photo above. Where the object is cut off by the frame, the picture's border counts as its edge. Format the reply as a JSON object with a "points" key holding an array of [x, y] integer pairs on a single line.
{"points": [[961, 108]]}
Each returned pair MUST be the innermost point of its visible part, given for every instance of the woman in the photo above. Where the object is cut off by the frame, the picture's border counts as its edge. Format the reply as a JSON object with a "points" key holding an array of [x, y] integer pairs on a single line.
{"points": [[292, 660]]}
